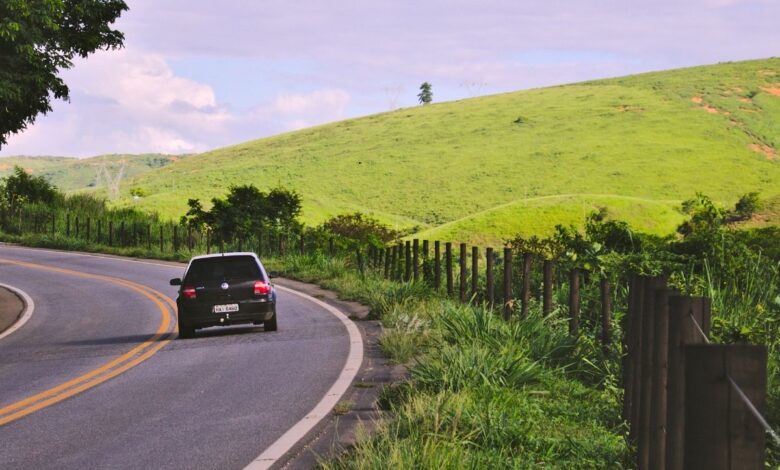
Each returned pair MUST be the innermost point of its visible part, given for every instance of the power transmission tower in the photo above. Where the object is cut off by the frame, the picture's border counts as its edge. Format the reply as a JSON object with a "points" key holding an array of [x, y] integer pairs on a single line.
{"points": [[112, 181]]}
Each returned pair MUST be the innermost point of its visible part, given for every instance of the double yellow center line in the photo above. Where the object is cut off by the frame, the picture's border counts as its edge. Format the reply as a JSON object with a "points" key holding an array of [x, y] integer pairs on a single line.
{"points": [[123, 363]]}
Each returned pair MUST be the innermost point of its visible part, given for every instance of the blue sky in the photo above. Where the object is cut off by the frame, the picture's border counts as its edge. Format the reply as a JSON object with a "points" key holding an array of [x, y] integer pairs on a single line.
{"points": [[197, 75]]}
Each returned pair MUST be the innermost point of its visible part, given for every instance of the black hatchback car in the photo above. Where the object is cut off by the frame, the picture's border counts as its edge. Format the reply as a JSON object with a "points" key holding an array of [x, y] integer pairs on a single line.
{"points": [[225, 289]]}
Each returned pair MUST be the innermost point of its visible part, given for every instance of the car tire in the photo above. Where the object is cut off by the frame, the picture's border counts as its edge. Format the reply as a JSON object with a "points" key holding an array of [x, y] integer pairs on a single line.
{"points": [[270, 325], [186, 331]]}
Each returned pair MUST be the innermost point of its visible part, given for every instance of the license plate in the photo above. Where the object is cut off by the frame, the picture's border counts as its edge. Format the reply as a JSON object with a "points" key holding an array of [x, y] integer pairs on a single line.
{"points": [[226, 308]]}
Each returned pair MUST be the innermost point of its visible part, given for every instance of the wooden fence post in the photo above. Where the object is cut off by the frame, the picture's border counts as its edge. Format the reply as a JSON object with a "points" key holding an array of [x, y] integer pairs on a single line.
{"points": [[359, 260], [393, 261], [408, 261], [649, 312], [416, 259], [208, 241], [149, 237], [302, 247], [606, 314], [67, 225], [99, 229], [658, 397], [474, 272], [489, 276], [426, 266], [161, 239], [574, 301], [176, 239], [683, 310], [547, 287], [463, 273], [387, 262], [53, 222], [331, 247], [720, 431], [76, 227], [110, 233], [437, 264], [526, 295], [507, 283], [448, 263]]}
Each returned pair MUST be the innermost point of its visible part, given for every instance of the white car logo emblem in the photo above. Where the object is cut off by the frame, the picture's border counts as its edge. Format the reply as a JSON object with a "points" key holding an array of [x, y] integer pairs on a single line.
{"points": [[224, 286]]}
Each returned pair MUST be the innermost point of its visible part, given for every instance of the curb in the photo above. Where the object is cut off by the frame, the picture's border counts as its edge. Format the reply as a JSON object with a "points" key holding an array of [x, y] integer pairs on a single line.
{"points": [[28, 306]]}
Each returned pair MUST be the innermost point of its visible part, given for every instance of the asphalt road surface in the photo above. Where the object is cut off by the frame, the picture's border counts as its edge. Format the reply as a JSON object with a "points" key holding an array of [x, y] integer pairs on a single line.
{"points": [[96, 378]]}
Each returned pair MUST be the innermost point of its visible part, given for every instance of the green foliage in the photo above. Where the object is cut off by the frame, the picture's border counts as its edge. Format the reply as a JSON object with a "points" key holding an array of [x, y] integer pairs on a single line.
{"points": [[361, 229], [22, 188], [39, 38], [246, 211], [137, 192], [426, 93], [747, 205]]}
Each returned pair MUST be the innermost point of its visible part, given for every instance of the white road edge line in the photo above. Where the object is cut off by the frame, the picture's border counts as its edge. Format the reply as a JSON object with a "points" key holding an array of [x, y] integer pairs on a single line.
{"points": [[291, 437], [276, 451], [29, 306]]}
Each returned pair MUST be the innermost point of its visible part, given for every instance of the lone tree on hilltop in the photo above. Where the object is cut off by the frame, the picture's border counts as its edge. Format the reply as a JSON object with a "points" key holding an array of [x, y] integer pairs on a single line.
{"points": [[38, 38], [426, 93]]}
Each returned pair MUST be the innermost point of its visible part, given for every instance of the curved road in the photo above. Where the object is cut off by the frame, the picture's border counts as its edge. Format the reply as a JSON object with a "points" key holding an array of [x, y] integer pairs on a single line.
{"points": [[215, 401]]}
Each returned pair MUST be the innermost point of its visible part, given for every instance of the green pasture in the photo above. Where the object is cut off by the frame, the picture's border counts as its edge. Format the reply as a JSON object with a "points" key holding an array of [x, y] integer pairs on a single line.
{"points": [[479, 169]]}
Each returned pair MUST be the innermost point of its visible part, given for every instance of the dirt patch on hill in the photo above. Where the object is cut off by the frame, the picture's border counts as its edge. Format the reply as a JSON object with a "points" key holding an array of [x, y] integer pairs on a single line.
{"points": [[4, 166], [710, 109], [769, 152], [773, 90], [767, 73], [744, 100], [697, 99]]}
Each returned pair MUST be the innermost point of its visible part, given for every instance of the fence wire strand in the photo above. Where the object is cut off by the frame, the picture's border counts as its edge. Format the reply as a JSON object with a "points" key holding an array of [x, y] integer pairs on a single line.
{"points": [[759, 417]]}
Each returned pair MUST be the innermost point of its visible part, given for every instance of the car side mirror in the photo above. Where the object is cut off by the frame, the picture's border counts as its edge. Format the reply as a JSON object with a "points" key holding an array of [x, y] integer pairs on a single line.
{"points": [[176, 281], [273, 274]]}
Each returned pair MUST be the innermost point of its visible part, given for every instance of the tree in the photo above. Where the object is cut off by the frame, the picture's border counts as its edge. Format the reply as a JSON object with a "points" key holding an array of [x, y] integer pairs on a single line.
{"points": [[246, 211], [360, 228], [22, 188], [426, 93], [38, 38]]}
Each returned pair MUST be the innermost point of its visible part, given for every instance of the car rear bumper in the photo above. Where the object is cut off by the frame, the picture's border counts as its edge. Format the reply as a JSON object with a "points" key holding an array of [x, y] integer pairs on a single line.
{"points": [[201, 314]]}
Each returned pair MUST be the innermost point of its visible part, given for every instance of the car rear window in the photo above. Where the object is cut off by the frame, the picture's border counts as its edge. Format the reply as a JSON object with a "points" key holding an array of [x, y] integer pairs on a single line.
{"points": [[224, 267]]}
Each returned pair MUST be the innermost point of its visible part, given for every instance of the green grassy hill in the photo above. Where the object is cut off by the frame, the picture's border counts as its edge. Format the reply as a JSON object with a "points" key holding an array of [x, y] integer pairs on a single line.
{"points": [[485, 168], [74, 174]]}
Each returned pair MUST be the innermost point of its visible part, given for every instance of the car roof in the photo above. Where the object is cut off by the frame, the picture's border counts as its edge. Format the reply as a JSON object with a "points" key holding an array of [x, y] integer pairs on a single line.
{"points": [[223, 255]]}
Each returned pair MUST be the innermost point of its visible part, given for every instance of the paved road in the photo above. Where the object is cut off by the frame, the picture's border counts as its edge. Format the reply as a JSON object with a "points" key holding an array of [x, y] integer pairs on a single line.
{"points": [[215, 401]]}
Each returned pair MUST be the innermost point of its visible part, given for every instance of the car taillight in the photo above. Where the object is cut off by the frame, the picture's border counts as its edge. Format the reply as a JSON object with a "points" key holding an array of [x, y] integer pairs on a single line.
{"points": [[262, 288], [188, 292]]}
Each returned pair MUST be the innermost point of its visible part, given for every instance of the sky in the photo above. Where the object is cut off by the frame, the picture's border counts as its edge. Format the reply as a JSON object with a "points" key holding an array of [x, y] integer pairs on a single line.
{"points": [[195, 75]]}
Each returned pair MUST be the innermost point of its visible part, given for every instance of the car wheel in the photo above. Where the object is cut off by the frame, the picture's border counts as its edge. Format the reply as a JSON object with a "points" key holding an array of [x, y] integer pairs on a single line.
{"points": [[186, 331], [270, 325]]}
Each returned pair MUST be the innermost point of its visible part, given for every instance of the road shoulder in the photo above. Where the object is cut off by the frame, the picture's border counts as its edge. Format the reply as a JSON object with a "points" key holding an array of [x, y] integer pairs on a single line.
{"points": [[11, 308], [360, 412]]}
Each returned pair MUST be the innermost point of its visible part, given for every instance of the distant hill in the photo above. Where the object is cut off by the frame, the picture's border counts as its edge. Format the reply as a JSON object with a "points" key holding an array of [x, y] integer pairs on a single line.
{"points": [[74, 174], [485, 168]]}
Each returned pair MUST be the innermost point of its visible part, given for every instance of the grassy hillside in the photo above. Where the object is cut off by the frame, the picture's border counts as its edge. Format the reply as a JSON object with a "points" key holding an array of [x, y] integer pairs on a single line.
{"points": [[492, 166], [73, 174]]}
